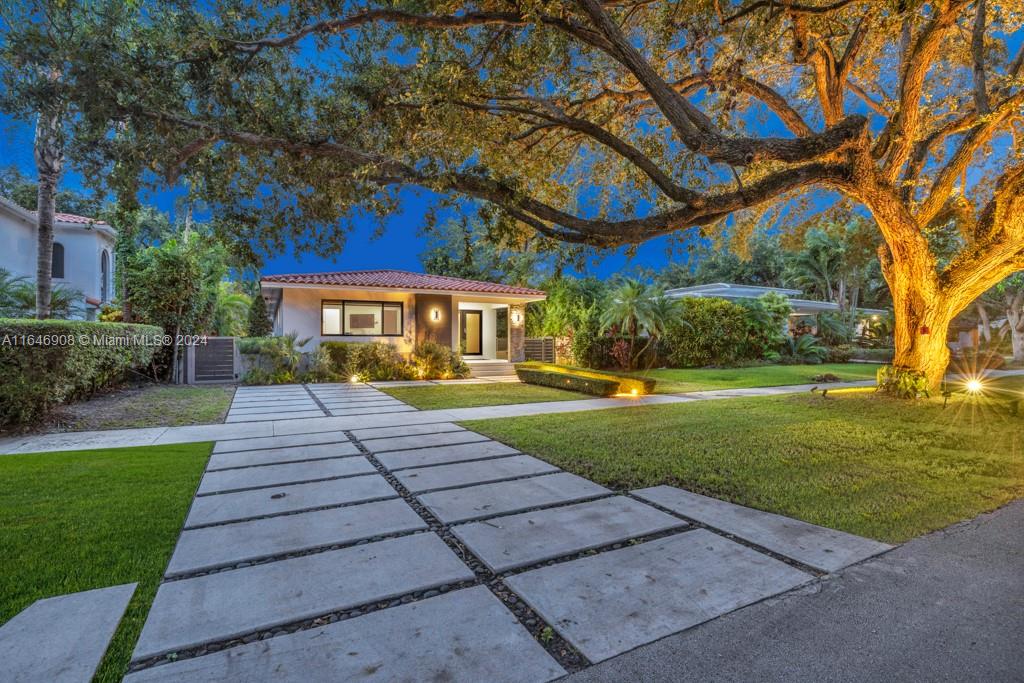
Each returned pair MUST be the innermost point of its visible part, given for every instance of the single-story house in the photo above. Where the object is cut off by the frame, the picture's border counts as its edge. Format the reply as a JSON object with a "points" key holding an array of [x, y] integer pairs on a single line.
{"points": [[83, 253], [804, 310], [485, 321]]}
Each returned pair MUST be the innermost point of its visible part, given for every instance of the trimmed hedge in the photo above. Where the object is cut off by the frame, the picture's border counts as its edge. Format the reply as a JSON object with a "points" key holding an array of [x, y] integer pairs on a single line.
{"points": [[571, 382], [47, 362], [625, 383]]}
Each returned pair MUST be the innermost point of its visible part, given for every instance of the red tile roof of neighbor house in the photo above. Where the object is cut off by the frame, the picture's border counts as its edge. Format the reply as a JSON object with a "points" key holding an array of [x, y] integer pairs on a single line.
{"points": [[72, 218], [399, 279]]}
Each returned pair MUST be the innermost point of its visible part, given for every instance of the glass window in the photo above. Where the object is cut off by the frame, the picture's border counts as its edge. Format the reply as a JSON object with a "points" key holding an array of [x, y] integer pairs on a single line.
{"points": [[331, 318], [57, 260], [104, 275], [361, 318]]}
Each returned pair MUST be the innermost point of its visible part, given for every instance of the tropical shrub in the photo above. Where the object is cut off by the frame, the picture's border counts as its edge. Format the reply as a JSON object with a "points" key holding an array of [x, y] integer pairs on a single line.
{"points": [[805, 348], [767, 319], [274, 360], [902, 382], [839, 354], [320, 367], [18, 298], [338, 351], [376, 362], [569, 382], [709, 332], [834, 329], [436, 361], [64, 362], [230, 310]]}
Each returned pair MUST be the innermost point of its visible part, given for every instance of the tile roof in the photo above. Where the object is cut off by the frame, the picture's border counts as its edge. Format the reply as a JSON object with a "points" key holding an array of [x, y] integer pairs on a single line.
{"points": [[72, 218], [399, 279]]}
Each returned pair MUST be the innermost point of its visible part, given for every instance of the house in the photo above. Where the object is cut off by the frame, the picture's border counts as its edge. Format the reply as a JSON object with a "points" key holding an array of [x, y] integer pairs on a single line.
{"points": [[83, 253], [804, 310], [484, 321]]}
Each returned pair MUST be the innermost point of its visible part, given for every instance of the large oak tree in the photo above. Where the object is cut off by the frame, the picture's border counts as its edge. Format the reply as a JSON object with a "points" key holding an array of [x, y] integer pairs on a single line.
{"points": [[594, 122]]}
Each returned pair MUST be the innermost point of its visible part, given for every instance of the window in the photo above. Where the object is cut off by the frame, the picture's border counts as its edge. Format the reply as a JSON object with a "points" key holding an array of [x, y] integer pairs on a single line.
{"points": [[361, 318], [104, 276], [57, 261]]}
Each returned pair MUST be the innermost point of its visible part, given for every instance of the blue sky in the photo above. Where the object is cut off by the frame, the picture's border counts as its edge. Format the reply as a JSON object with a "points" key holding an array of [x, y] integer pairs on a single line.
{"points": [[399, 247]]}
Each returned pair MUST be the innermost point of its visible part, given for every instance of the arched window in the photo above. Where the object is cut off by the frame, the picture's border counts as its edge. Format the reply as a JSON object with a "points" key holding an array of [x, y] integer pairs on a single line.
{"points": [[57, 262], [104, 276]]}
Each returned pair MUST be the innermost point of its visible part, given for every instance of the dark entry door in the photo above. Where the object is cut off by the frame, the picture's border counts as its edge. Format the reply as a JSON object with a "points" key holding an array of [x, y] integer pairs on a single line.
{"points": [[471, 327]]}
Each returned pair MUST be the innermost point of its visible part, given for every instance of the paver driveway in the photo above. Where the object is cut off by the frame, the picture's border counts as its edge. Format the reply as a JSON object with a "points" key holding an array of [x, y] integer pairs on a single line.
{"points": [[429, 552]]}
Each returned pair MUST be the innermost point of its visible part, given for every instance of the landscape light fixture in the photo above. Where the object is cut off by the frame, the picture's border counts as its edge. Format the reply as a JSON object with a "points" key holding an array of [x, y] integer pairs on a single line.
{"points": [[354, 379], [974, 386]]}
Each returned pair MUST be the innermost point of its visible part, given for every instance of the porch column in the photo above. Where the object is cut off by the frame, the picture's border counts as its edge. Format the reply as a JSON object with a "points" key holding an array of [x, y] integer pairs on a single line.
{"points": [[517, 333]]}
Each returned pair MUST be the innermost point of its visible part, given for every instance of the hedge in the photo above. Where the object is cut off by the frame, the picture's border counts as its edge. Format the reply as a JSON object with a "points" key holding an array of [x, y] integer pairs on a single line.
{"points": [[47, 362], [625, 383], [571, 382]]}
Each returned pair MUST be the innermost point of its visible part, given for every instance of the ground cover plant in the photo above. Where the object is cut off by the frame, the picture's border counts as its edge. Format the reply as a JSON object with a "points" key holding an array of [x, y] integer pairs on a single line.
{"points": [[866, 464], [74, 521]]}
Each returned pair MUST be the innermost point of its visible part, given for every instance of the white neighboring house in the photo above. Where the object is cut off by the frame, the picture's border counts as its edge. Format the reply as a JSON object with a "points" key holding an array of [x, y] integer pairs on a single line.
{"points": [[83, 253]]}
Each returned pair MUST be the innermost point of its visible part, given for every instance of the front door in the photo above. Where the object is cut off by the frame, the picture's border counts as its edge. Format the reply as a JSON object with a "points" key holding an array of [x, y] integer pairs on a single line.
{"points": [[471, 328]]}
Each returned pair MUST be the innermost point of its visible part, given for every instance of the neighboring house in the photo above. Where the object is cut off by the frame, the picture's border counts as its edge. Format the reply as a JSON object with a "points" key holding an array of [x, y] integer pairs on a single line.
{"points": [[485, 321], [804, 310], [83, 253]]}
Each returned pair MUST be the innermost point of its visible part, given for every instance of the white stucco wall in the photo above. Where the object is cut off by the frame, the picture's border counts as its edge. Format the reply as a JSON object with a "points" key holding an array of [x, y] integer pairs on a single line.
{"points": [[83, 247], [300, 313]]}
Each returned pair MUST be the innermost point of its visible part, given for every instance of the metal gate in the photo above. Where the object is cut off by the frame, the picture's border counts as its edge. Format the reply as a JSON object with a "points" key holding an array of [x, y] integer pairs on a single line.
{"points": [[215, 361]]}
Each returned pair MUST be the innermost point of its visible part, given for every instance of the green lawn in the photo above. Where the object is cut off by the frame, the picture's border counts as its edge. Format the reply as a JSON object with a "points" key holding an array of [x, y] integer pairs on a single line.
{"points": [[147, 406], [856, 461], [442, 396], [677, 381], [72, 521]]}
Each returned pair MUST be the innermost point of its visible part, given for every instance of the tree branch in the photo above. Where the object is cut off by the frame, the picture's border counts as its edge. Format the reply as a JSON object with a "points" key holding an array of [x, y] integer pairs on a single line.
{"points": [[978, 54]]}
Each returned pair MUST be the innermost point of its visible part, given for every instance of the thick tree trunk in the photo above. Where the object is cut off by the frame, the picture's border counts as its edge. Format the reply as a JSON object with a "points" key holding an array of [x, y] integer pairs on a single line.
{"points": [[1015, 321], [922, 326], [49, 154]]}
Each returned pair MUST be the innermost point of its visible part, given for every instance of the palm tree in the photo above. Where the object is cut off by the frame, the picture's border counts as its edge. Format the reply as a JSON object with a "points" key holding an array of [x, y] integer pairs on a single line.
{"points": [[231, 310], [635, 307], [9, 285], [64, 301]]}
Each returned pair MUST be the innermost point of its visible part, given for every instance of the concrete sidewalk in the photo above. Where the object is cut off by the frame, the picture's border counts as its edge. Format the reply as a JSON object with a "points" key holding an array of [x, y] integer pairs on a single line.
{"points": [[122, 438]]}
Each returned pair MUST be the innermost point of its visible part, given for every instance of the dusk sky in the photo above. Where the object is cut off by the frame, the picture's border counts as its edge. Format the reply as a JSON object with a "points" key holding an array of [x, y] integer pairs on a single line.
{"points": [[399, 247]]}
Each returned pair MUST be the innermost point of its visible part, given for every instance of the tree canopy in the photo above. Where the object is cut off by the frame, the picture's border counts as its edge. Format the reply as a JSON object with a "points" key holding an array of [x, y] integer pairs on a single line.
{"points": [[599, 123]]}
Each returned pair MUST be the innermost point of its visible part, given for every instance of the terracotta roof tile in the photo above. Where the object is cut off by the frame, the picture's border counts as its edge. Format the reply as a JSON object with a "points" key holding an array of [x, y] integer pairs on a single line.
{"points": [[72, 218], [399, 279]]}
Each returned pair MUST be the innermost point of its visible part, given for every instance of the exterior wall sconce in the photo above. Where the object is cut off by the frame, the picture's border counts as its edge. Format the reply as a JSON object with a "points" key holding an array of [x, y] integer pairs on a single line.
{"points": [[435, 314], [517, 317]]}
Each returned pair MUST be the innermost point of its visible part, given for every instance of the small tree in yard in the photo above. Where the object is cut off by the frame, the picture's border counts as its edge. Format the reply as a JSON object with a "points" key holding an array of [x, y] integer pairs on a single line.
{"points": [[1010, 295], [174, 285], [259, 318]]}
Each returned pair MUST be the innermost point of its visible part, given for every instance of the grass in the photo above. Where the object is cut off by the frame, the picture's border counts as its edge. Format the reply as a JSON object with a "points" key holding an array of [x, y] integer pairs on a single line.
{"points": [[147, 406], [677, 381], [859, 462], [73, 521], [443, 396]]}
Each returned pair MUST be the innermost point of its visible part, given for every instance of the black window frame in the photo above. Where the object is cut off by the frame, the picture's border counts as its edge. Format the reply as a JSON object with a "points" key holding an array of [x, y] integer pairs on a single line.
{"points": [[57, 248], [344, 318]]}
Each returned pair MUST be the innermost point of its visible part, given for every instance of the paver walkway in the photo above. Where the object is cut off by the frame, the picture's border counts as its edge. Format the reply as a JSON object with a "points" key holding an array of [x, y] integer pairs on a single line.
{"points": [[396, 550], [334, 414]]}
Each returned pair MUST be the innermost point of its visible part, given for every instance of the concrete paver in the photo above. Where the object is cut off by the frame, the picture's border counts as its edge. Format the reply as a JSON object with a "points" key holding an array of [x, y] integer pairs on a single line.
{"points": [[229, 544], [485, 643], [271, 456], [265, 442], [615, 601], [423, 479], [439, 455], [524, 539], [815, 546], [223, 481], [62, 639], [228, 507], [229, 604], [369, 435], [400, 443], [486, 500]]}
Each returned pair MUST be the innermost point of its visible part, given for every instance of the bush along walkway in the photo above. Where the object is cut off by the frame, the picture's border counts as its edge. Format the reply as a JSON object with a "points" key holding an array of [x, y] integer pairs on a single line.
{"points": [[276, 417], [430, 552]]}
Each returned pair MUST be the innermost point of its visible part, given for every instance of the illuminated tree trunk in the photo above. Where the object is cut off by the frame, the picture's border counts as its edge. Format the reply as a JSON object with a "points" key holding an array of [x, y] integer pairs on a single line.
{"points": [[922, 326]]}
